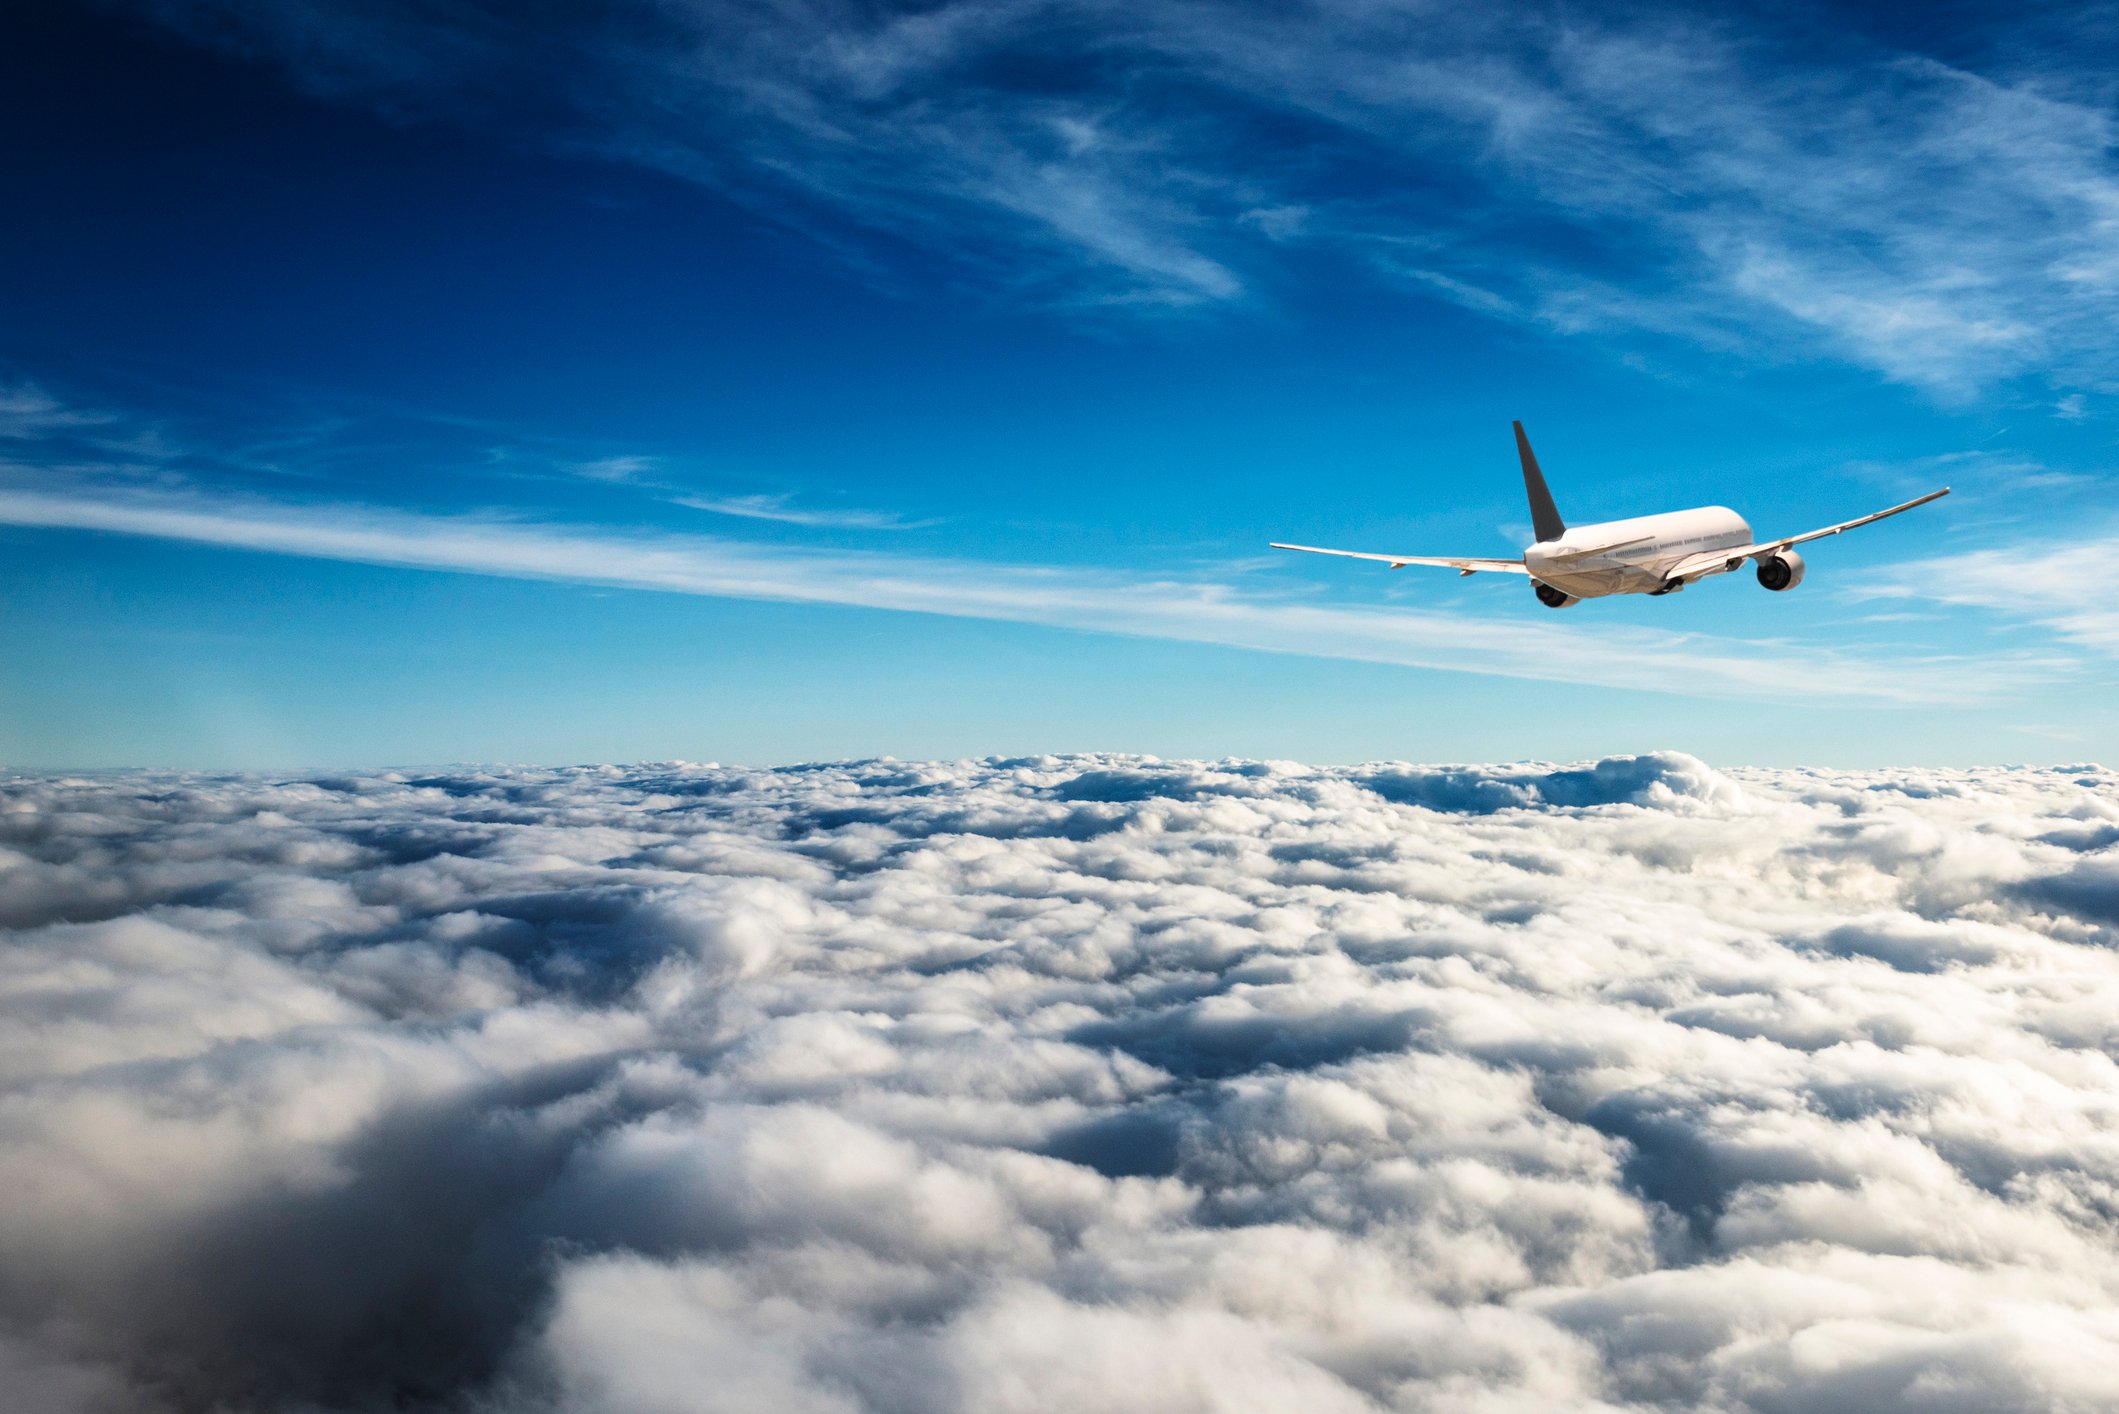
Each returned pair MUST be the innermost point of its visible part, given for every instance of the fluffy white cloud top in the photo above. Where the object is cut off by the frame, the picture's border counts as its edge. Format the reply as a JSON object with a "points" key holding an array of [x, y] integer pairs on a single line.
{"points": [[1081, 1083]]}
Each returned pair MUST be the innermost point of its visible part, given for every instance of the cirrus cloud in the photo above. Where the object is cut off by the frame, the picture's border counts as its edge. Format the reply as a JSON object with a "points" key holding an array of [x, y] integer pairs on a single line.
{"points": [[1946, 219]]}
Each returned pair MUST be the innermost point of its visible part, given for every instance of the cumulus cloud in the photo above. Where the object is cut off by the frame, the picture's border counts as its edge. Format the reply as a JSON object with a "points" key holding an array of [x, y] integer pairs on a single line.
{"points": [[1096, 1083]]}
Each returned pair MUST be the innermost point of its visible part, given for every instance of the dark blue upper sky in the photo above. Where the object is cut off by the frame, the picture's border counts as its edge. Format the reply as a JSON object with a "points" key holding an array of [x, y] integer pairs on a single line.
{"points": [[405, 382]]}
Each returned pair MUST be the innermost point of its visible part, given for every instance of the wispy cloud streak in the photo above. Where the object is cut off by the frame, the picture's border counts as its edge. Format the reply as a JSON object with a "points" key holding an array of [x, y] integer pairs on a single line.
{"points": [[2071, 589], [783, 510], [1189, 610]]}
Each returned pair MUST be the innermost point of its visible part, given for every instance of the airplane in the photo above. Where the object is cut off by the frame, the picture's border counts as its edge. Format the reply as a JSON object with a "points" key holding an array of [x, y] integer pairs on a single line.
{"points": [[1658, 554]]}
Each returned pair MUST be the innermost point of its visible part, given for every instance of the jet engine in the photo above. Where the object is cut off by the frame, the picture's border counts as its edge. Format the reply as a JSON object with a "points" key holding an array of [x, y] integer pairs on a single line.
{"points": [[1553, 598], [1782, 571]]}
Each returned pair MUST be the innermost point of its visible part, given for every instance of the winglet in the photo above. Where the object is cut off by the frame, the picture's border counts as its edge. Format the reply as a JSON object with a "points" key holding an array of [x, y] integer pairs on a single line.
{"points": [[1544, 516]]}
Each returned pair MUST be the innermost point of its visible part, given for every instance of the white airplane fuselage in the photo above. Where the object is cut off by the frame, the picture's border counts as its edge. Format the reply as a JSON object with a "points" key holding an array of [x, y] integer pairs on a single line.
{"points": [[1634, 556], [1658, 554]]}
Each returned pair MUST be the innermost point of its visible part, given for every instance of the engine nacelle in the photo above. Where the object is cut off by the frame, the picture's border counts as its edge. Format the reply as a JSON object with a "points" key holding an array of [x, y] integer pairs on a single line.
{"points": [[1552, 598], [1782, 571]]}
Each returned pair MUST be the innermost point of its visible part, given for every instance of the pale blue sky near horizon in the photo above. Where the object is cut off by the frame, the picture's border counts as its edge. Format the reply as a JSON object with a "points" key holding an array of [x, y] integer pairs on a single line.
{"points": [[387, 384]]}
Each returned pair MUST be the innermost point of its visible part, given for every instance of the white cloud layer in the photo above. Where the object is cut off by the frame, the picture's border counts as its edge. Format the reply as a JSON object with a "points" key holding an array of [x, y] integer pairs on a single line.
{"points": [[1094, 1083]]}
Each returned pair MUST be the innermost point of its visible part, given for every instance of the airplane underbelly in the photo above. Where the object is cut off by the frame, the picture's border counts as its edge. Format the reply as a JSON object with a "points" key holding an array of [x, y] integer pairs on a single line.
{"points": [[1603, 580], [1632, 556]]}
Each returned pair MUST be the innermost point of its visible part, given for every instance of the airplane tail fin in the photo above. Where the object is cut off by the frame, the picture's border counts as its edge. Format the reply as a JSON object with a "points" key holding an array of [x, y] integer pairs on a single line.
{"points": [[1544, 516]]}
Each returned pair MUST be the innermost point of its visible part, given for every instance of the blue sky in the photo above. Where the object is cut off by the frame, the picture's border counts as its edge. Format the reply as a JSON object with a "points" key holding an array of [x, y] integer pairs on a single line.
{"points": [[392, 383]]}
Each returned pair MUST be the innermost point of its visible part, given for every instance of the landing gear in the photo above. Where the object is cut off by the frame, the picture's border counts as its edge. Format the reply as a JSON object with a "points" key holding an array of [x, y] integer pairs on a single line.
{"points": [[1550, 597]]}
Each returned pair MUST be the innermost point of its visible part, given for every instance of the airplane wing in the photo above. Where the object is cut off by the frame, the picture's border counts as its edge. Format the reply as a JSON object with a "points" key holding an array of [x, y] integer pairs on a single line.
{"points": [[1461, 565], [1717, 559]]}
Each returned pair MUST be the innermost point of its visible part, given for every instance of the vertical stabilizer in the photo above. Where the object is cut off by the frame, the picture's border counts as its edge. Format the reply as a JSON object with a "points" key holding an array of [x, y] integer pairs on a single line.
{"points": [[1544, 516]]}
